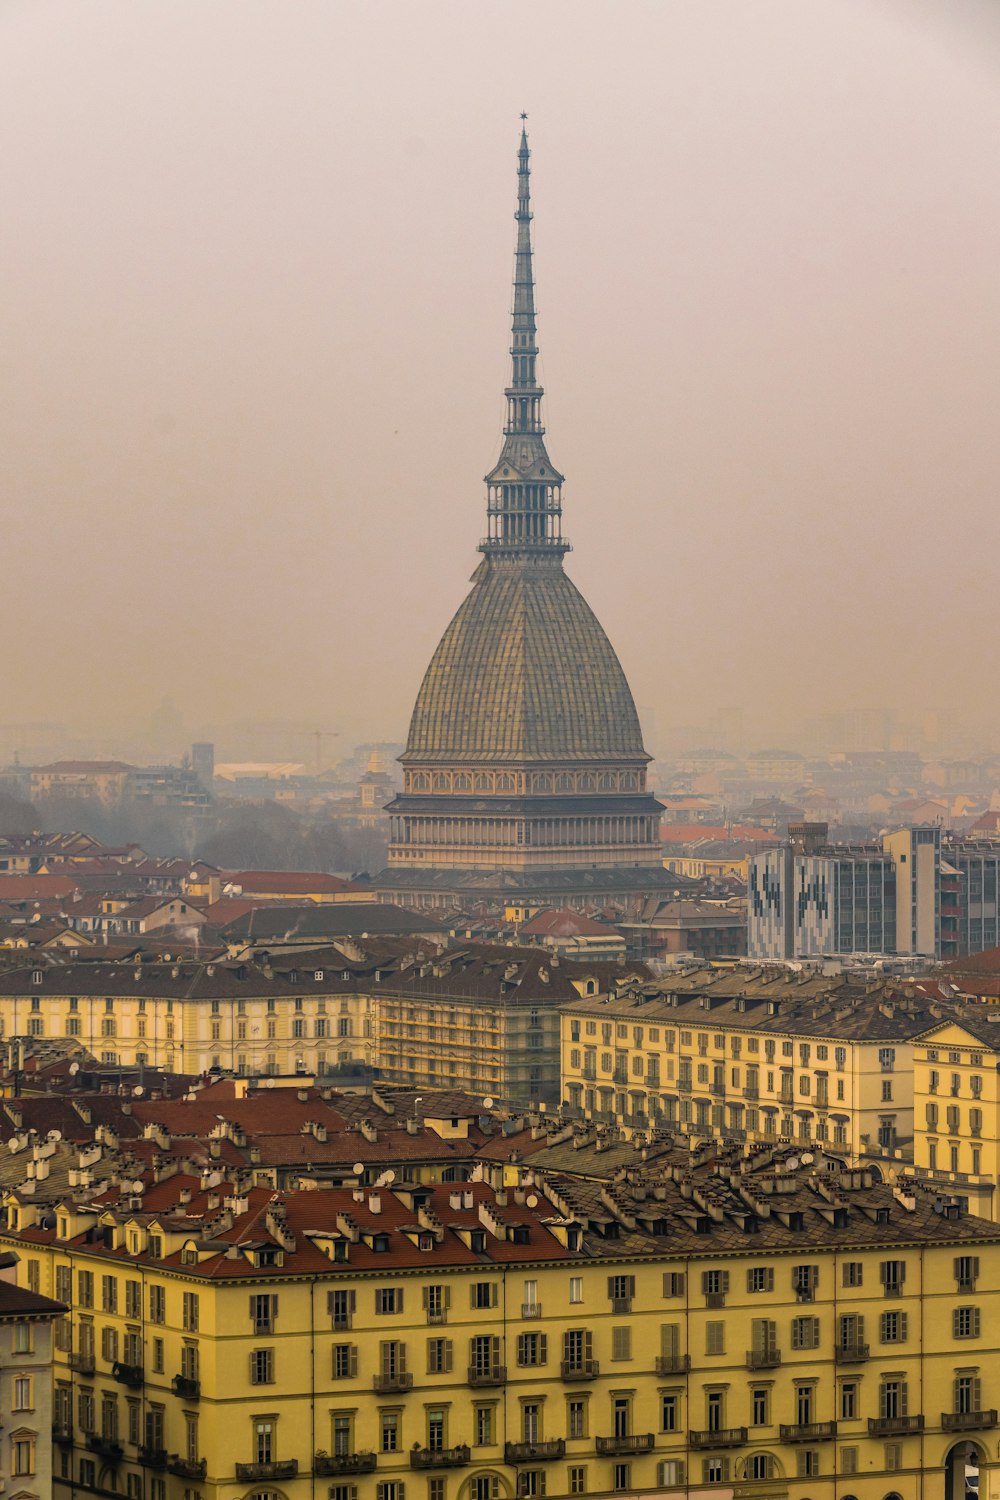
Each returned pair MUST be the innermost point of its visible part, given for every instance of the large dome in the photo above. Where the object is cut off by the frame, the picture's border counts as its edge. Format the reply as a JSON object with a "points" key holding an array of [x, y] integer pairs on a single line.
{"points": [[524, 672]]}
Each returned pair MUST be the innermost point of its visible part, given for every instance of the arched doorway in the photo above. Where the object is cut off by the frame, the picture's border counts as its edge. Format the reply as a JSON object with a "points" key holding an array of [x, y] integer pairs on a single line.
{"points": [[961, 1472]]}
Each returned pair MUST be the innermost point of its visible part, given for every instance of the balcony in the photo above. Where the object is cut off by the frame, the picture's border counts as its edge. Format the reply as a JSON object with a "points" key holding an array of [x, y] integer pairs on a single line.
{"points": [[763, 1359], [717, 1437], [580, 1369], [808, 1432], [718, 1089], [152, 1458], [621, 1304], [440, 1458], [440, 1315], [109, 1448], [62, 1433], [83, 1364], [533, 1453], [187, 1468], [894, 1426], [715, 1299], [130, 1375], [531, 1309], [673, 1364], [633, 1442], [186, 1388], [386, 1384], [850, 1354], [345, 1463], [487, 1374], [751, 1092], [968, 1421], [286, 1469]]}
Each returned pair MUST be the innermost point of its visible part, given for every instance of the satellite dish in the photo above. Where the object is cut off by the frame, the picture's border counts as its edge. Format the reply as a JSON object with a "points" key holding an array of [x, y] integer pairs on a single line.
{"points": [[531, 1200], [138, 1091], [12, 1144], [807, 1158], [358, 1168], [54, 1135], [74, 1068], [269, 1083], [792, 1164], [487, 1102], [389, 1176]]}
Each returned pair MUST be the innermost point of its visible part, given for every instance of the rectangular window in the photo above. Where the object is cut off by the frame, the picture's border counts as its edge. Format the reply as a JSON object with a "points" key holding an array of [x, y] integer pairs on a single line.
{"points": [[965, 1322], [263, 1311], [261, 1366], [190, 1312], [388, 1299], [853, 1272], [715, 1338]]}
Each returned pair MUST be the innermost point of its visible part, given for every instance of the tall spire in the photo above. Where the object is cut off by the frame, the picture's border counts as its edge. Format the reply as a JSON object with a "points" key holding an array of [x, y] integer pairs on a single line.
{"points": [[524, 491]]}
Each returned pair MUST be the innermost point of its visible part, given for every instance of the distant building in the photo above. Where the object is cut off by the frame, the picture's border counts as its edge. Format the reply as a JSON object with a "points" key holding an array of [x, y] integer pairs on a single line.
{"points": [[203, 763], [571, 934]]}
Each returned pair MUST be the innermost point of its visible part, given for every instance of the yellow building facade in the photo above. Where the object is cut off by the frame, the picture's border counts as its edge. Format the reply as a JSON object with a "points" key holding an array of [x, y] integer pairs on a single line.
{"points": [[957, 1108], [468, 1345], [724, 1054]]}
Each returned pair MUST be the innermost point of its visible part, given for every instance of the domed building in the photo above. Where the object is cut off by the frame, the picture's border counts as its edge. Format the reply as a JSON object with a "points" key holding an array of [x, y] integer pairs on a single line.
{"points": [[524, 774]]}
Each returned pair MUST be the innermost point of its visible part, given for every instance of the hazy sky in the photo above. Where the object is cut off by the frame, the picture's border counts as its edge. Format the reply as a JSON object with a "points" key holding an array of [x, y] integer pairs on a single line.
{"points": [[255, 281]]}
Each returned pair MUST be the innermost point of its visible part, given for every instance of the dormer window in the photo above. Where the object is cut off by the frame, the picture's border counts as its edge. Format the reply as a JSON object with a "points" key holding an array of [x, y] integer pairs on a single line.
{"points": [[156, 1247], [380, 1243], [63, 1229], [426, 1242], [36, 976], [318, 976], [478, 1241]]}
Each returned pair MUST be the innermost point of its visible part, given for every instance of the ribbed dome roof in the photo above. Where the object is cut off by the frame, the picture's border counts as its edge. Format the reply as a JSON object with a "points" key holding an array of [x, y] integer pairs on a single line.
{"points": [[524, 672]]}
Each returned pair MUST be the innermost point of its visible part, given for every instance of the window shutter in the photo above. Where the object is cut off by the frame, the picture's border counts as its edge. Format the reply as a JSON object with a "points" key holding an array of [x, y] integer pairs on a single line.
{"points": [[352, 1359], [588, 1344], [446, 1354], [904, 1391], [956, 1268], [611, 1286], [975, 1267], [446, 1297], [630, 1283], [543, 1348], [253, 1306], [975, 1326], [383, 1357], [274, 1305], [401, 1358], [400, 1489], [704, 1283], [859, 1323], [725, 1281], [424, 1295], [769, 1278], [399, 1299], [669, 1338], [977, 1393], [522, 1348], [352, 1301], [814, 1329], [749, 1280]]}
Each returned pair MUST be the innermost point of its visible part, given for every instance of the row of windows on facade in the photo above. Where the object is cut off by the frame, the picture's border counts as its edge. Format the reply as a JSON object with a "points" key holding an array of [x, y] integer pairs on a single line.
{"points": [[955, 1083], [638, 1108], [782, 1082], [436, 1297], [656, 1036], [670, 1474]]}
